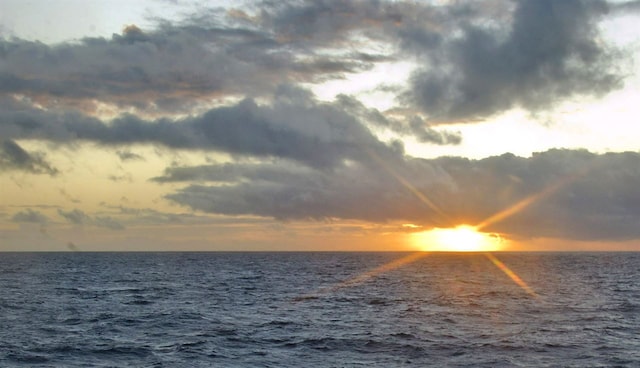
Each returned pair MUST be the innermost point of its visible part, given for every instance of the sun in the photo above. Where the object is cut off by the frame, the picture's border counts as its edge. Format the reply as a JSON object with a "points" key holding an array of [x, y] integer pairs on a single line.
{"points": [[462, 238]]}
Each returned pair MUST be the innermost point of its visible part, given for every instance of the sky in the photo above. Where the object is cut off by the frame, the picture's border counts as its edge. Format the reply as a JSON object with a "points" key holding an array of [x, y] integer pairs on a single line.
{"points": [[318, 125]]}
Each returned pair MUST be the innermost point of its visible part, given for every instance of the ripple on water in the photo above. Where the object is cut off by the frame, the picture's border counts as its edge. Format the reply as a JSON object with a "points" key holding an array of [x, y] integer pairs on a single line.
{"points": [[275, 309]]}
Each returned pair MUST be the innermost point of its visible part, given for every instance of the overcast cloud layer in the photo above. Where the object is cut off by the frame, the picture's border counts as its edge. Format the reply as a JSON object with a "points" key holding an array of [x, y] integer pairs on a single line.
{"points": [[239, 81]]}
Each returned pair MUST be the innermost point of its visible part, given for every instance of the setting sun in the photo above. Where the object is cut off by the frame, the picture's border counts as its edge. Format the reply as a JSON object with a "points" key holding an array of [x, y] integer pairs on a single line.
{"points": [[463, 238]]}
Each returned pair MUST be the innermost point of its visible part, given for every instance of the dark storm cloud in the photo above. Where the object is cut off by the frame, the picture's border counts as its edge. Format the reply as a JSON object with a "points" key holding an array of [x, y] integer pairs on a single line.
{"points": [[552, 51], [598, 201], [30, 216], [14, 157]]}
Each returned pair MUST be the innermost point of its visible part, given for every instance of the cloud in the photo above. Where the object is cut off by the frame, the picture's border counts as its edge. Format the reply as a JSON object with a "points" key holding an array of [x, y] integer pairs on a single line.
{"points": [[68, 196], [132, 216], [75, 216], [126, 155], [108, 222], [78, 217], [233, 172], [151, 216], [625, 6], [551, 52], [475, 59], [169, 69], [413, 126], [598, 201], [30, 216], [360, 190], [14, 157], [126, 177], [295, 126]]}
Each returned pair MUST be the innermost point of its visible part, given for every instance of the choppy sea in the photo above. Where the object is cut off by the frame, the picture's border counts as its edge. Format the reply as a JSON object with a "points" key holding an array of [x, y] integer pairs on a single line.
{"points": [[319, 310]]}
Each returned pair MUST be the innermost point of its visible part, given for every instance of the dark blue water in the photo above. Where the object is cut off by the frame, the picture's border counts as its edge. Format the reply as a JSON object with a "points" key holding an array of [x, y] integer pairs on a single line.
{"points": [[318, 310]]}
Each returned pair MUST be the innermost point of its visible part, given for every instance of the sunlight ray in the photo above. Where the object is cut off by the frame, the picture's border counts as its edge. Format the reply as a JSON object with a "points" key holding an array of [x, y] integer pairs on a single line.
{"points": [[363, 277], [528, 201], [421, 196], [512, 275], [500, 216]]}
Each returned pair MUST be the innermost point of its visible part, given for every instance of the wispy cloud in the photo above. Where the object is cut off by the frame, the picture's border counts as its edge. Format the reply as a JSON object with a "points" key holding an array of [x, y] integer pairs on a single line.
{"points": [[79, 217], [14, 157], [30, 216], [126, 155]]}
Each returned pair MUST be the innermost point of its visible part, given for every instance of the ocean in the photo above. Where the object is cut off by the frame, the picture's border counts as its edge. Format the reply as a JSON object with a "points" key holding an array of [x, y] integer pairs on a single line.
{"points": [[319, 310]]}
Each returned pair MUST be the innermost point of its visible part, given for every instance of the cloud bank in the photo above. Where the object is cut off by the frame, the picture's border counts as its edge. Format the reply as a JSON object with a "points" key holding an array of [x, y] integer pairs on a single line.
{"points": [[599, 200]]}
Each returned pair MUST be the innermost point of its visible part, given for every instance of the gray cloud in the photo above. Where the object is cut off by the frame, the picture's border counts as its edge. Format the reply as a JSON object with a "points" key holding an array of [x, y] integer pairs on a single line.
{"points": [[14, 157], [295, 126], [233, 172], [170, 69], [68, 196], [476, 58], [30, 216], [356, 191], [126, 155], [552, 51], [79, 217], [414, 126], [599, 200], [625, 6], [75, 216], [126, 177], [108, 222], [151, 216]]}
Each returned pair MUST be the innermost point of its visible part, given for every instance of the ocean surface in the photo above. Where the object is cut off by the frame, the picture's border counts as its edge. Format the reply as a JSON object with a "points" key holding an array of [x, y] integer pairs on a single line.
{"points": [[319, 310]]}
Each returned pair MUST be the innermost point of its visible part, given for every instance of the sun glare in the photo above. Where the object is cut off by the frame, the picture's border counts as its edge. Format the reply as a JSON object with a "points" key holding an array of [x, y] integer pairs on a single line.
{"points": [[463, 238]]}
